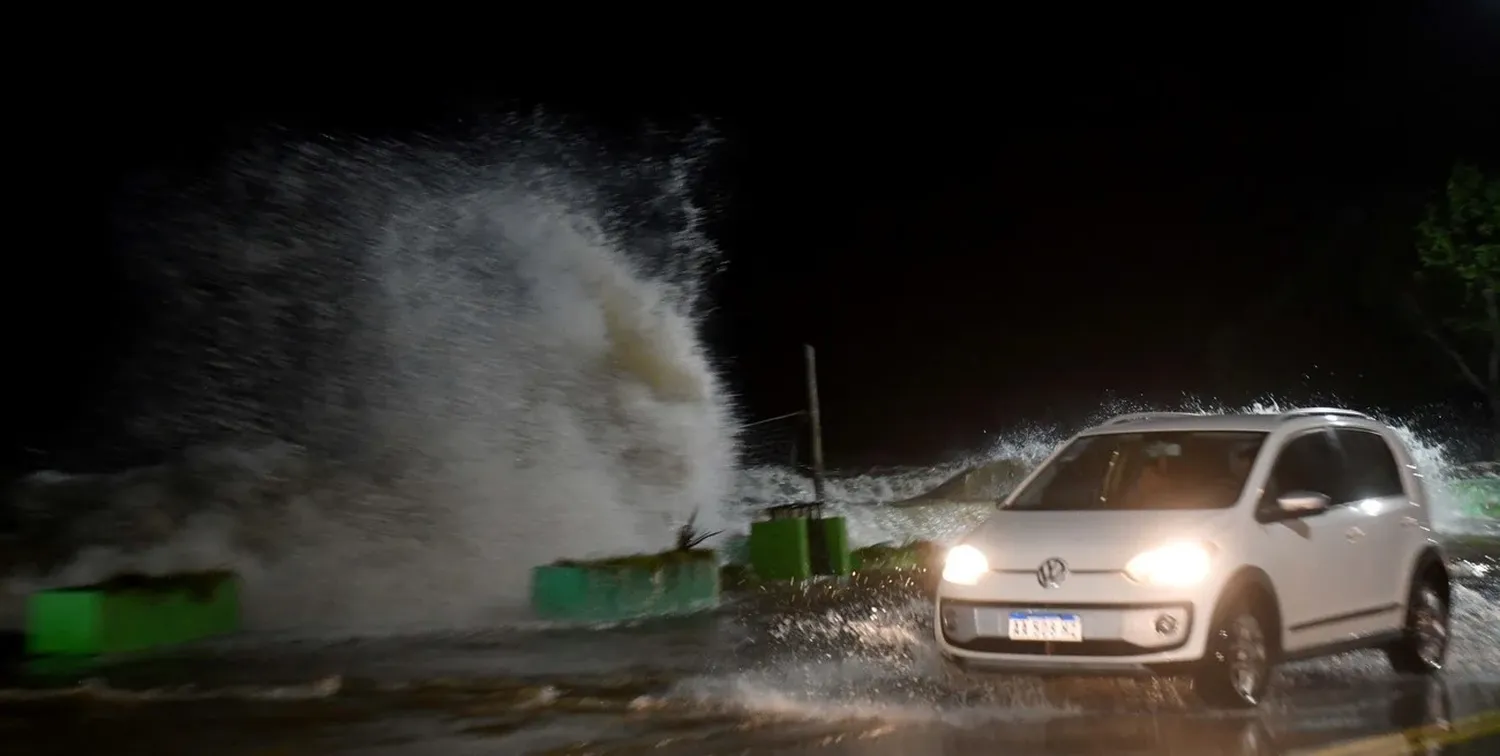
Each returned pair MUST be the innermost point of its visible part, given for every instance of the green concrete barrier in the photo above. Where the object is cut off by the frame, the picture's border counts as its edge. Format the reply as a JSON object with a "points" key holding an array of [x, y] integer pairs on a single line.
{"points": [[626, 588], [132, 613], [828, 546], [779, 550], [1477, 497], [797, 542]]}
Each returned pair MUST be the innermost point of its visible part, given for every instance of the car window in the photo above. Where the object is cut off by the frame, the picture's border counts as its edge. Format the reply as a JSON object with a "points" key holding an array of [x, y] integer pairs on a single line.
{"points": [[1150, 470], [1309, 462], [1370, 467]]}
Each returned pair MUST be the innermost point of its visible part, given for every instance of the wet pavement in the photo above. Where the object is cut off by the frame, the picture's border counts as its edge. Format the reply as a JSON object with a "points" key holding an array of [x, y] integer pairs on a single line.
{"points": [[823, 670]]}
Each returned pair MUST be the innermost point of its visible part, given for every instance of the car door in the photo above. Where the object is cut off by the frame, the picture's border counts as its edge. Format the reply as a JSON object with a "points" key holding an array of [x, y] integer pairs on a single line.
{"points": [[1313, 561], [1377, 493]]}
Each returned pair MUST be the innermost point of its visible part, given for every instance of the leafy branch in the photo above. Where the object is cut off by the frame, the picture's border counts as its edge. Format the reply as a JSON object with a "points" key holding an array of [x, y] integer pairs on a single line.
{"points": [[688, 535]]}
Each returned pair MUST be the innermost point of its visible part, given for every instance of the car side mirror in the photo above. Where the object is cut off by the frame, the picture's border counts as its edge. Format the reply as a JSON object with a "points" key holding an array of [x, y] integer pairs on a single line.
{"points": [[1298, 504]]}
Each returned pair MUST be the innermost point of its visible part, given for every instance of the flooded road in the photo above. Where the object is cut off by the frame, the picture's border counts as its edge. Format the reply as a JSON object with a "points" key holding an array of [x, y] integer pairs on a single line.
{"points": [[823, 670]]}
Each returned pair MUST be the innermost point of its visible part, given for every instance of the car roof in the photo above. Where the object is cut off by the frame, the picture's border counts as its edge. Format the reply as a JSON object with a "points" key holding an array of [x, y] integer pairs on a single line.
{"points": [[1249, 423]]}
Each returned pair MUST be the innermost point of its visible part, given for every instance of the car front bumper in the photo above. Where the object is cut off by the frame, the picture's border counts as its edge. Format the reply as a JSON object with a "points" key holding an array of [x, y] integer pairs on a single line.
{"points": [[1127, 629]]}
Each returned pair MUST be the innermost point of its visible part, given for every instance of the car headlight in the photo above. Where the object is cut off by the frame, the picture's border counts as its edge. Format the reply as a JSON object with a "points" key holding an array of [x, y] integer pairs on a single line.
{"points": [[965, 565], [1175, 564]]}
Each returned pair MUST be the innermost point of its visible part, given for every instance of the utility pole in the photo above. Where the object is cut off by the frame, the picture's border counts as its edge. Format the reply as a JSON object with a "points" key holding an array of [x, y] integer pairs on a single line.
{"points": [[815, 422]]}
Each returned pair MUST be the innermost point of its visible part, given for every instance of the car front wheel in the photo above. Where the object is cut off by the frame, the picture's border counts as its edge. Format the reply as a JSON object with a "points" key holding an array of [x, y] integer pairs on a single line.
{"points": [[1423, 646], [1236, 671]]}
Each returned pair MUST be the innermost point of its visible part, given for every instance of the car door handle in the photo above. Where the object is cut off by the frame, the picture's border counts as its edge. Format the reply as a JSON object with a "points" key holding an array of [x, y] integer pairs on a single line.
{"points": [[1353, 534]]}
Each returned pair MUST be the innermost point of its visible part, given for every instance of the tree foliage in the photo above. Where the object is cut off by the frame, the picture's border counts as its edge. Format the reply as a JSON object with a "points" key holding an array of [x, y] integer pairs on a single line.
{"points": [[1460, 237], [1458, 243]]}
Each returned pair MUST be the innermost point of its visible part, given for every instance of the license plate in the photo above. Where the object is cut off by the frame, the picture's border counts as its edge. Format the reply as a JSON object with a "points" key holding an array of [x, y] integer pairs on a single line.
{"points": [[1064, 628]]}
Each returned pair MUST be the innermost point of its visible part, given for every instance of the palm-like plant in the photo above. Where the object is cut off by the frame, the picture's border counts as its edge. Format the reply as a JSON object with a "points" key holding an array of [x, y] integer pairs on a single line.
{"points": [[688, 536]]}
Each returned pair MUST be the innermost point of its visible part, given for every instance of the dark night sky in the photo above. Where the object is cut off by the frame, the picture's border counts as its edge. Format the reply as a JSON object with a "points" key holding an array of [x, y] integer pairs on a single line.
{"points": [[969, 244]]}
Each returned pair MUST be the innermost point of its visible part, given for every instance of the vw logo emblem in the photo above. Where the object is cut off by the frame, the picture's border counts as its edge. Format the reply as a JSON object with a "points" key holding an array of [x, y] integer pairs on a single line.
{"points": [[1052, 573]]}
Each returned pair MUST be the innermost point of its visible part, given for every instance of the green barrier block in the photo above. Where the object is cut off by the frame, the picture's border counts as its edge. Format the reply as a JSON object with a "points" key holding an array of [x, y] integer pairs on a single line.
{"points": [[828, 546], [132, 613], [1477, 497], [779, 549], [626, 588]]}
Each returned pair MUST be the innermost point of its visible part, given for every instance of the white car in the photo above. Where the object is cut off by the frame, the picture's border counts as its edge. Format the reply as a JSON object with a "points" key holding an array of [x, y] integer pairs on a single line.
{"points": [[1211, 546]]}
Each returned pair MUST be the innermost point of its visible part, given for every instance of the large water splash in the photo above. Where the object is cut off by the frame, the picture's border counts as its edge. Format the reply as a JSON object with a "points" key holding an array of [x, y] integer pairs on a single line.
{"points": [[404, 375]]}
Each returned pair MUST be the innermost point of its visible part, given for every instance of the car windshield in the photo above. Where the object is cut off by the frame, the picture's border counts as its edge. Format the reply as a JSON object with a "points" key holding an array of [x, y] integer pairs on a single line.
{"points": [[1138, 471]]}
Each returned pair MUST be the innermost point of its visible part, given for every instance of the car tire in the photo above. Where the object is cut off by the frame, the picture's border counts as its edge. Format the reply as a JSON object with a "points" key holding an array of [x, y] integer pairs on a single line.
{"points": [[1236, 669], [1423, 647]]}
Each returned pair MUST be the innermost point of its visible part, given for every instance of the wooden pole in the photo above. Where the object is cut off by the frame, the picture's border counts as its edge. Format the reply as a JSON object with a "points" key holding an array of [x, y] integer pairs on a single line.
{"points": [[815, 421]]}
